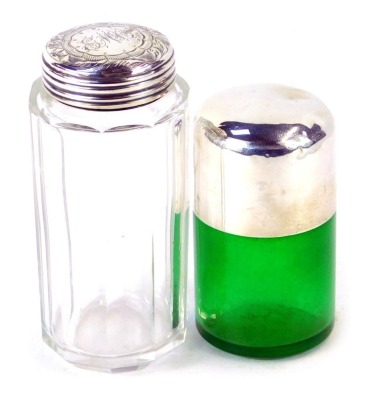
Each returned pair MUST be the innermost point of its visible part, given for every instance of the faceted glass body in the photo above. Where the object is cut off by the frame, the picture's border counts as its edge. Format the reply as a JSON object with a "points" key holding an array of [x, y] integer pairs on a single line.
{"points": [[111, 218]]}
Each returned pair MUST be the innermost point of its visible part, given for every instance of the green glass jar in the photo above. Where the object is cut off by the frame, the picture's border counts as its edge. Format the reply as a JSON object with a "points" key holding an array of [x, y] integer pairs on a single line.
{"points": [[264, 221]]}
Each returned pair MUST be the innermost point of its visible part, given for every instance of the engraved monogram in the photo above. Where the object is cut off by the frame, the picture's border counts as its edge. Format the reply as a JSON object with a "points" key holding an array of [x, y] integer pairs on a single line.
{"points": [[115, 44]]}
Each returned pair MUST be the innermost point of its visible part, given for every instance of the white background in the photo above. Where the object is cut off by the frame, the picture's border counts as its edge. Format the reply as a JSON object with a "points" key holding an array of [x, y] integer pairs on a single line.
{"points": [[320, 46]]}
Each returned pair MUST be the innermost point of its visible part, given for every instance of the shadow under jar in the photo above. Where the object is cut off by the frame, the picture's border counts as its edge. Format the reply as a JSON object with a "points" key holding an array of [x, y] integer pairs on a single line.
{"points": [[264, 221], [109, 148]]}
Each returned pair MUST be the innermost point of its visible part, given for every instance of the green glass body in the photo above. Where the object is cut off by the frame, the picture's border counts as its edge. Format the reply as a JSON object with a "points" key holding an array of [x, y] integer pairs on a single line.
{"points": [[265, 297]]}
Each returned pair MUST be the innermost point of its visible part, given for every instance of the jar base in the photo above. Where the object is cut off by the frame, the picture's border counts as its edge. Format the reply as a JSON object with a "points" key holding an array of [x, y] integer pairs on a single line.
{"points": [[117, 363], [272, 352]]}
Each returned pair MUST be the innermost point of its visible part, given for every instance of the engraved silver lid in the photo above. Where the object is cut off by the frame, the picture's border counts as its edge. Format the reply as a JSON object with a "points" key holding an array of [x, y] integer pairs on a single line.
{"points": [[108, 66]]}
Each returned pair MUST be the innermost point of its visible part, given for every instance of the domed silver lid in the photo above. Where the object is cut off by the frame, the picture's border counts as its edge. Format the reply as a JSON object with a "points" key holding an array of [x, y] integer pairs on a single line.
{"points": [[108, 66]]}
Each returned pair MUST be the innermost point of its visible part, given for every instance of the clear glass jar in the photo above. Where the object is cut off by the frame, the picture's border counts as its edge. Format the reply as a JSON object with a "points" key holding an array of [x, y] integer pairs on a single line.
{"points": [[264, 221], [110, 197]]}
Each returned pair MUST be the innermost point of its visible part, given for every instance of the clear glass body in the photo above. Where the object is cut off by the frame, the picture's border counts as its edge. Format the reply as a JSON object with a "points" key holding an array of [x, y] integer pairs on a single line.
{"points": [[111, 221], [264, 221]]}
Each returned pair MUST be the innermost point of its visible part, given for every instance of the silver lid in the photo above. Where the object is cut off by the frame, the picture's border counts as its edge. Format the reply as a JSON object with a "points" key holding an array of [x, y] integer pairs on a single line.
{"points": [[108, 66], [264, 161]]}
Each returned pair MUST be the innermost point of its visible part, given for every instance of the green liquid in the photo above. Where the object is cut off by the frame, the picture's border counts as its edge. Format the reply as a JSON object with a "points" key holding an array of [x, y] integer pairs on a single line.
{"points": [[265, 297]]}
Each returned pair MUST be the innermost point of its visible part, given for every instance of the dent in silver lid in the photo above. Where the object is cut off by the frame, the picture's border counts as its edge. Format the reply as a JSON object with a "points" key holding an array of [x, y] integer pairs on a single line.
{"points": [[266, 120], [108, 66], [268, 140]]}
